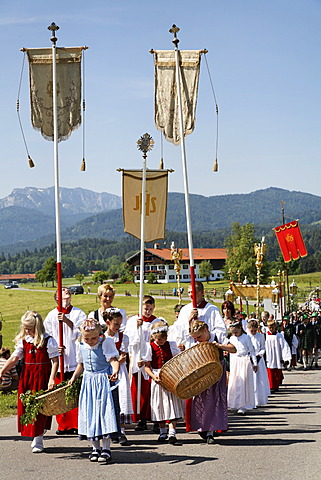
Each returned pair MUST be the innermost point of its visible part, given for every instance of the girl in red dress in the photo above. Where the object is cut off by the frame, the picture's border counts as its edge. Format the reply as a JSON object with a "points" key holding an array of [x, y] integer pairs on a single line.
{"points": [[40, 354]]}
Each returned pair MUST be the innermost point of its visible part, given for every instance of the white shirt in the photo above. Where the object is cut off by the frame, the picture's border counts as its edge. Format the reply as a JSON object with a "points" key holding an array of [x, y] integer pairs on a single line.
{"points": [[243, 347], [277, 349], [70, 336], [210, 314]]}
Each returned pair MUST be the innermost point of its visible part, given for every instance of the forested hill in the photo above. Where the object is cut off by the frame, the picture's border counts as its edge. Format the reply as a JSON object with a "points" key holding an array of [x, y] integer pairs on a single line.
{"points": [[19, 225]]}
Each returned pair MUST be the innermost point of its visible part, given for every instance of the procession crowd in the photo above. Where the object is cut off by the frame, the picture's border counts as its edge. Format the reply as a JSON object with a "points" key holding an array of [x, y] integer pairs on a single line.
{"points": [[120, 358]]}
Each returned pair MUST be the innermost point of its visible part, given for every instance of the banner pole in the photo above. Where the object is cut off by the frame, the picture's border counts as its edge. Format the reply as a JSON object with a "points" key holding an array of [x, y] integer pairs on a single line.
{"points": [[144, 144], [175, 41], [53, 27]]}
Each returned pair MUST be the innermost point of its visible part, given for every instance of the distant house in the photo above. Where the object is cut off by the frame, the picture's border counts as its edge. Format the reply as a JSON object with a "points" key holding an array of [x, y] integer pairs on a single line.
{"points": [[158, 261], [17, 277]]}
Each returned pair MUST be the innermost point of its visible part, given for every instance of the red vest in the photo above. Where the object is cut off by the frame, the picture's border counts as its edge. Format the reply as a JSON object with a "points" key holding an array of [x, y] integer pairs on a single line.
{"points": [[160, 354]]}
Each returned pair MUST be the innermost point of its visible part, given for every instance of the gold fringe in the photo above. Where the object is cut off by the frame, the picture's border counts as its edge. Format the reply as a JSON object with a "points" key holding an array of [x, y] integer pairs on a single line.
{"points": [[31, 164], [83, 165], [215, 167]]}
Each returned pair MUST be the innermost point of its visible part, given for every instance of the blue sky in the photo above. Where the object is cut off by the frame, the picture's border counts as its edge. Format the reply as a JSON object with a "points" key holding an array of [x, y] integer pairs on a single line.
{"points": [[264, 59]]}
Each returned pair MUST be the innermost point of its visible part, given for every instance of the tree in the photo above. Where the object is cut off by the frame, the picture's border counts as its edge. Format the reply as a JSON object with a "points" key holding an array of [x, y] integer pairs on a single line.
{"points": [[79, 277], [151, 278], [240, 253], [50, 270], [101, 277], [205, 269]]}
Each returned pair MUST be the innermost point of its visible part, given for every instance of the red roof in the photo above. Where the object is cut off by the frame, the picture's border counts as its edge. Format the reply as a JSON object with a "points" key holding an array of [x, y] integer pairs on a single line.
{"points": [[17, 276], [199, 253]]}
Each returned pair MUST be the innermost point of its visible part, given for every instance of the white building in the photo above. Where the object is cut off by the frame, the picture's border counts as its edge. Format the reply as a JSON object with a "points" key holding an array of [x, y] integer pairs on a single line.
{"points": [[158, 261]]}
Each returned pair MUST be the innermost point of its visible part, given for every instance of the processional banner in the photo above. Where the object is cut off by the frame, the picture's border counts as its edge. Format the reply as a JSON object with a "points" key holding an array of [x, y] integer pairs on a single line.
{"points": [[166, 102], [68, 69], [290, 240], [155, 206]]}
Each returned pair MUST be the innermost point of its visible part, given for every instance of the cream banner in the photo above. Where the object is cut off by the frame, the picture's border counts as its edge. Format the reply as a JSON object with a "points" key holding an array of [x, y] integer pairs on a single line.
{"points": [[166, 103], [68, 61], [155, 207]]}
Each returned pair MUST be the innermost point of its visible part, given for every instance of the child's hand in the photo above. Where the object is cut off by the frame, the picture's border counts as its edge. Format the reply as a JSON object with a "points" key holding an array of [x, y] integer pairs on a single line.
{"points": [[71, 381], [157, 379], [122, 358], [139, 322], [181, 347], [51, 384], [61, 350], [140, 364], [255, 368], [114, 377]]}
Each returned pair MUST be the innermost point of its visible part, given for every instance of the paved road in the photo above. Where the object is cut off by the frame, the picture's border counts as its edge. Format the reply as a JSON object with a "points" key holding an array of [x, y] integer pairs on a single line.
{"points": [[280, 441]]}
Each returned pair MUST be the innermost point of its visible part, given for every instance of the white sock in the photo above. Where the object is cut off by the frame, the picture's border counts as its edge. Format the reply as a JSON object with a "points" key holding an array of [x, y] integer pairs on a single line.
{"points": [[122, 430], [163, 430], [95, 444], [172, 432], [37, 442], [105, 443]]}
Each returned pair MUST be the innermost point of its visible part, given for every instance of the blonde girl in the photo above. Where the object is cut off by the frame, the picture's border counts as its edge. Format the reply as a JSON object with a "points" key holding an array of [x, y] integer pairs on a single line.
{"points": [[97, 359], [40, 354], [113, 318], [207, 412], [165, 406]]}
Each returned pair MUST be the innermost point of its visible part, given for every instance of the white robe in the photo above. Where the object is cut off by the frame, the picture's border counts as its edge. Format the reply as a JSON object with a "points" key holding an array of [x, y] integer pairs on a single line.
{"points": [[125, 399], [240, 392], [277, 350], [139, 338], [70, 336], [261, 381], [210, 314]]}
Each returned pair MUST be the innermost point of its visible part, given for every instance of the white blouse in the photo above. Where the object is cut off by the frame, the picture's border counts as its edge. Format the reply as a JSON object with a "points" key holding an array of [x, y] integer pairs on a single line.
{"points": [[52, 346], [108, 346]]}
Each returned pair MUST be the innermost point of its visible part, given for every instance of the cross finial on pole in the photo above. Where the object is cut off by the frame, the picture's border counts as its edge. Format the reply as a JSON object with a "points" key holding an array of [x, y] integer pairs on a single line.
{"points": [[174, 30], [53, 27]]}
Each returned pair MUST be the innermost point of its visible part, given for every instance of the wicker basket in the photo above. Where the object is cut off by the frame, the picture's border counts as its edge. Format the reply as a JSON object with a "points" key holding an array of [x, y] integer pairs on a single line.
{"points": [[192, 371], [55, 402]]}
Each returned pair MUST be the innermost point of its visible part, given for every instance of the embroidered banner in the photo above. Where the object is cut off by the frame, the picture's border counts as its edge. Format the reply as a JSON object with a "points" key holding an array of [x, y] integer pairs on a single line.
{"points": [[166, 103], [290, 241], [68, 69], [155, 206]]}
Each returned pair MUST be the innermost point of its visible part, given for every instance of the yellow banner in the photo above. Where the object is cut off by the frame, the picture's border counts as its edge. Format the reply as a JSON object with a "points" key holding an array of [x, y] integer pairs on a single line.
{"points": [[155, 206]]}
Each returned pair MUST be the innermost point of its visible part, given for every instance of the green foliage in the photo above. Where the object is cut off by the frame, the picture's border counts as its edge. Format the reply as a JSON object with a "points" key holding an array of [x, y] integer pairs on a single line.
{"points": [[205, 269], [240, 253], [79, 277], [100, 277], [151, 278]]}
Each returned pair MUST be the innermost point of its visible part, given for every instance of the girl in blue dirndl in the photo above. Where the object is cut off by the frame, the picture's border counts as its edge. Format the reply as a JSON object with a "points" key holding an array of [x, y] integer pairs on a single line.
{"points": [[98, 361]]}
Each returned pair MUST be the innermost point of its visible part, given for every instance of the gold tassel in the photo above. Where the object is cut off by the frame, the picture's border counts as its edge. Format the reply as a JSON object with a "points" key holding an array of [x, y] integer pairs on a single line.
{"points": [[215, 168], [161, 164], [83, 165], [31, 164]]}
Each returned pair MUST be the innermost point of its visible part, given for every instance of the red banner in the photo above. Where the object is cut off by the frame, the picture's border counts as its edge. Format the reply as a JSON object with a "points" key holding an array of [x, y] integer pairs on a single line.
{"points": [[290, 241]]}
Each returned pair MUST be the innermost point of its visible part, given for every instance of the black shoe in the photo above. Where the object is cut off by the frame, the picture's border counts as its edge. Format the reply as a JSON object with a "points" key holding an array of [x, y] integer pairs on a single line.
{"points": [[172, 439], [156, 428], [105, 456], [210, 439], [162, 438], [114, 440], [140, 426], [94, 456], [71, 431], [123, 440], [203, 435]]}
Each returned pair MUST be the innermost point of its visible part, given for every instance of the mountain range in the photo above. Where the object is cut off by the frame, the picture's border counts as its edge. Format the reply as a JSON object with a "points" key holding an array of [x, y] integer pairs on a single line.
{"points": [[27, 214]]}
